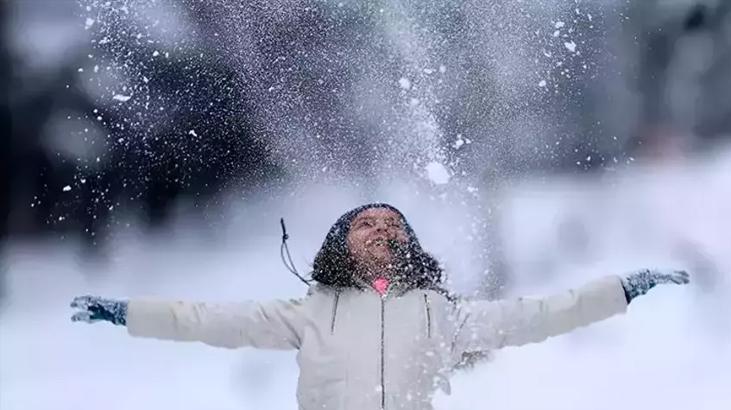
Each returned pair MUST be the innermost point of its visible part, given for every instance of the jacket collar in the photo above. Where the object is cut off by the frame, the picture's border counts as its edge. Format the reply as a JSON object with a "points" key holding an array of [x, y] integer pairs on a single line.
{"points": [[395, 287]]}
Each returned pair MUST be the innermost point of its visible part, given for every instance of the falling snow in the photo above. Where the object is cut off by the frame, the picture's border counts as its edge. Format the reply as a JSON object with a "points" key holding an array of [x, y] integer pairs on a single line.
{"points": [[404, 83], [437, 173], [121, 98]]}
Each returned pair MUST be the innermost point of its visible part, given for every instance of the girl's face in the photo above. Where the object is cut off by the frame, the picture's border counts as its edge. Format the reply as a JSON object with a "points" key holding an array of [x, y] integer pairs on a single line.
{"points": [[371, 234]]}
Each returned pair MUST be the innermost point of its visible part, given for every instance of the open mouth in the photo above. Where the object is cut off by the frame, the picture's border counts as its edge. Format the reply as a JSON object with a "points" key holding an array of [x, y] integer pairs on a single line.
{"points": [[379, 242]]}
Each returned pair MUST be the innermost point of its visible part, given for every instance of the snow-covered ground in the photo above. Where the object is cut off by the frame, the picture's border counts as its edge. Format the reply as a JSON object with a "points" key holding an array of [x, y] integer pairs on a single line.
{"points": [[671, 351]]}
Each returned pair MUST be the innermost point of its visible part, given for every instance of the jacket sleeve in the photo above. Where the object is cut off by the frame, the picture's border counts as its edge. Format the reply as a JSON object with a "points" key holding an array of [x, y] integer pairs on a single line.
{"points": [[485, 325], [274, 324]]}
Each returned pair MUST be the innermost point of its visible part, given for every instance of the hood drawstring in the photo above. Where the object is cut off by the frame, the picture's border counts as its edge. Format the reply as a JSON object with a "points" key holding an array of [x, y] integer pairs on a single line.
{"points": [[335, 312], [288, 261]]}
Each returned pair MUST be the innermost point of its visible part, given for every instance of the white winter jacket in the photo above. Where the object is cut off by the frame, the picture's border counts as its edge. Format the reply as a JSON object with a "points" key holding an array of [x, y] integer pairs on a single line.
{"points": [[360, 351]]}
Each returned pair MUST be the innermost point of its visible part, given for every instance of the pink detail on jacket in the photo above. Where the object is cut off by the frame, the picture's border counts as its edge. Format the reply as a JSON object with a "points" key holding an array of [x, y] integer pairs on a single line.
{"points": [[380, 285]]}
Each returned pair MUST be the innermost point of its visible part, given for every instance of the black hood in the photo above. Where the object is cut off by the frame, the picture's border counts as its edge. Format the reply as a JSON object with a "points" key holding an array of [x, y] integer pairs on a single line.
{"points": [[334, 266]]}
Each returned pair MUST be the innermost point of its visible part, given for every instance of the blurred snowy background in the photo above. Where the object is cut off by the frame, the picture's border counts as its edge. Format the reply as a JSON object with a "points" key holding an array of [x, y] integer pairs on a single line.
{"points": [[149, 147]]}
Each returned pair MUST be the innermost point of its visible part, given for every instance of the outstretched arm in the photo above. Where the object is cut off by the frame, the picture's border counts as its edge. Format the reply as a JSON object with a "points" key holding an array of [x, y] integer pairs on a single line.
{"points": [[489, 325], [271, 325]]}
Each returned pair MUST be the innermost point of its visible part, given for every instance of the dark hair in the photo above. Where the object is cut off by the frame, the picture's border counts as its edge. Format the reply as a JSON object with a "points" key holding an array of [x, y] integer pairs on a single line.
{"points": [[334, 265]]}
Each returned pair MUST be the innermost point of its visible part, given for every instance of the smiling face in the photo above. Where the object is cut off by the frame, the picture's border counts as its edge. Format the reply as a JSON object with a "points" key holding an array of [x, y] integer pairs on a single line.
{"points": [[371, 236]]}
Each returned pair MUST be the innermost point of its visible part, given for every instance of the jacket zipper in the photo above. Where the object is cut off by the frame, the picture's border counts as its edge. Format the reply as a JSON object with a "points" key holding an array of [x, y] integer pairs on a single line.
{"points": [[335, 312], [383, 354], [428, 316]]}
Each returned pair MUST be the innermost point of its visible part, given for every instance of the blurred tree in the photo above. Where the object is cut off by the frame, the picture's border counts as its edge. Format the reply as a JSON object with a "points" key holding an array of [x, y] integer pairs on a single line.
{"points": [[195, 140], [5, 126], [6, 158], [682, 79]]}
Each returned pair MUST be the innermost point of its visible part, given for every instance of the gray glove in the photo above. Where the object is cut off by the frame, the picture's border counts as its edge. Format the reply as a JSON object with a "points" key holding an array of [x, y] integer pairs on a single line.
{"points": [[640, 282], [94, 309]]}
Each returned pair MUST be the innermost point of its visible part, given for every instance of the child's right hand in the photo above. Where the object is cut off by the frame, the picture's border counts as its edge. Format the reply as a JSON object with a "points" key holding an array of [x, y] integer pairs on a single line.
{"points": [[94, 309]]}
